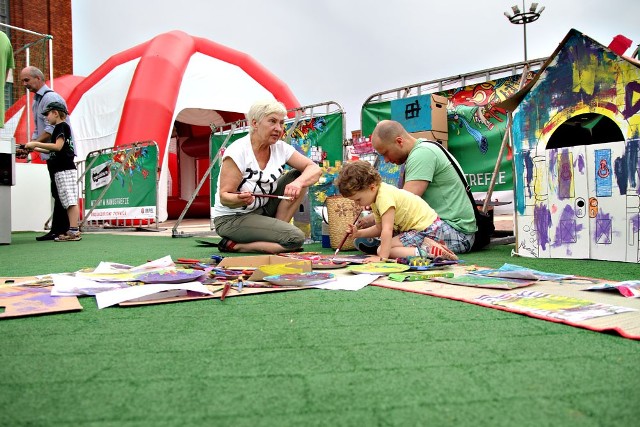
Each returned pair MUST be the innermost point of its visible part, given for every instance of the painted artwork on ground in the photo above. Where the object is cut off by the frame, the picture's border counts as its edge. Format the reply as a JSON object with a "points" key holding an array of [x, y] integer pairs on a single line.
{"points": [[311, 278], [476, 281], [552, 306], [29, 301], [378, 268]]}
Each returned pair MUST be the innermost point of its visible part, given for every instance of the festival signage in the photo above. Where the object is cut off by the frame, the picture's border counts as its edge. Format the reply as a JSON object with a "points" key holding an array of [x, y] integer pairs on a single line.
{"points": [[475, 127], [319, 138], [122, 185]]}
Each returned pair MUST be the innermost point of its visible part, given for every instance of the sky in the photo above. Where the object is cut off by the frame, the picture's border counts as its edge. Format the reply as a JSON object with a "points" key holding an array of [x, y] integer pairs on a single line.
{"points": [[344, 51]]}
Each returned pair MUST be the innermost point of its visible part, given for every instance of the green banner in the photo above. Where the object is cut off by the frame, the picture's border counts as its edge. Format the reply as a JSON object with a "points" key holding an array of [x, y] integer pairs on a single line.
{"points": [[475, 126], [130, 175], [216, 143], [372, 114], [319, 138]]}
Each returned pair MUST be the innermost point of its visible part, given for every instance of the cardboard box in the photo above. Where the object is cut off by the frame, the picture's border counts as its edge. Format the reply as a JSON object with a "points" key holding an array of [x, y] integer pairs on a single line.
{"points": [[421, 113], [261, 260], [433, 135]]}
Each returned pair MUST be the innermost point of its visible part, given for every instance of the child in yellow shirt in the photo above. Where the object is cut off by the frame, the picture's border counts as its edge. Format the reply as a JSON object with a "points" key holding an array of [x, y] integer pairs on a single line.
{"points": [[402, 219]]}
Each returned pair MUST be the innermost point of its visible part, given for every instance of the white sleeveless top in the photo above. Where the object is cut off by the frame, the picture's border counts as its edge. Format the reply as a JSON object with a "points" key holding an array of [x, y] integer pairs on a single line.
{"points": [[254, 179]]}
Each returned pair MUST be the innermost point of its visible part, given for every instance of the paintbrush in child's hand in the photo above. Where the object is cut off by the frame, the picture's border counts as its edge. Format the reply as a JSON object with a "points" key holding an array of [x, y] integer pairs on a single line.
{"points": [[270, 196], [346, 235]]}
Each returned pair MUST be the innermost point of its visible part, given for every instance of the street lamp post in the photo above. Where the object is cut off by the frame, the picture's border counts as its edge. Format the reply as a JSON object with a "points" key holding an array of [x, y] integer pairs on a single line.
{"points": [[523, 18]]}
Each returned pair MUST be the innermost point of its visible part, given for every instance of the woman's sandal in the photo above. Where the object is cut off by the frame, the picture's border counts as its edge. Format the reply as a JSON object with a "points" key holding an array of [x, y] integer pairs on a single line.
{"points": [[437, 250], [226, 245]]}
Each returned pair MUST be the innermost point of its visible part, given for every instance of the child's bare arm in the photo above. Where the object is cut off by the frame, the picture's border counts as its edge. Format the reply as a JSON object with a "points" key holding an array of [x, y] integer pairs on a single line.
{"points": [[45, 147], [386, 233], [365, 232]]}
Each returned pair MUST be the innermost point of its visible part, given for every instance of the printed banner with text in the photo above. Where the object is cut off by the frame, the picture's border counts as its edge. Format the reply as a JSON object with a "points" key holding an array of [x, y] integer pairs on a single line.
{"points": [[130, 175], [475, 127]]}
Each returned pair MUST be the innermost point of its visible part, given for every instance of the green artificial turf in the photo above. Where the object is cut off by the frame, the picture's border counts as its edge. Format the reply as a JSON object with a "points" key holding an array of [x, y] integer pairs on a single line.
{"points": [[312, 357]]}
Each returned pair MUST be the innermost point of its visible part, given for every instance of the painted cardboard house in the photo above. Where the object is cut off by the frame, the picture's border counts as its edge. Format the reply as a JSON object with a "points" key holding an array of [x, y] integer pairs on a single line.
{"points": [[575, 135]]}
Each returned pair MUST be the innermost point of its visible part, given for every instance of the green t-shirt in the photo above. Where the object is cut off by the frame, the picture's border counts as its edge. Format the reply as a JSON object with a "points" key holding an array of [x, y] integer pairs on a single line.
{"points": [[446, 193], [6, 63]]}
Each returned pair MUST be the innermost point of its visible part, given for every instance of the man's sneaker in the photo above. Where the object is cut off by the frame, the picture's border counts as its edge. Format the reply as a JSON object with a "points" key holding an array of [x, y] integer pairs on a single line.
{"points": [[368, 245], [69, 236], [49, 236]]}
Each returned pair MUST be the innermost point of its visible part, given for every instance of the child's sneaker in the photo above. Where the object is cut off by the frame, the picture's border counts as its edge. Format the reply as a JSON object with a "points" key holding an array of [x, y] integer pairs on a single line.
{"points": [[368, 245], [434, 249], [69, 236]]}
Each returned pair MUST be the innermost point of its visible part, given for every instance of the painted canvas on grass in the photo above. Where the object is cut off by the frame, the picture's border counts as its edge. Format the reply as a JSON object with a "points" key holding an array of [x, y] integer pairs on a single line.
{"points": [[577, 176], [170, 276], [378, 268], [18, 302], [311, 278], [628, 288], [518, 272], [476, 281], [553, 306], [318, 261]]}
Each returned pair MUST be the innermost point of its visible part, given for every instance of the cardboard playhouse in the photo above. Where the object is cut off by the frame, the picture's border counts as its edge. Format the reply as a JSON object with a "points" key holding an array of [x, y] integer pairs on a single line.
{"points": [[423, 116], [575, 137]]}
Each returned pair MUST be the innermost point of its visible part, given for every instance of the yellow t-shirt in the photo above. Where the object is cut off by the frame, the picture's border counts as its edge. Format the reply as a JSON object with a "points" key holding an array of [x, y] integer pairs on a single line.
{"points": [[412, 212]]}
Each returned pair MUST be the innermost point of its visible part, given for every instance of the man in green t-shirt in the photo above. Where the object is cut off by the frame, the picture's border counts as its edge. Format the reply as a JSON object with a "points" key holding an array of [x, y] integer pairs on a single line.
{"points": [[6, 64], [429, 174]]}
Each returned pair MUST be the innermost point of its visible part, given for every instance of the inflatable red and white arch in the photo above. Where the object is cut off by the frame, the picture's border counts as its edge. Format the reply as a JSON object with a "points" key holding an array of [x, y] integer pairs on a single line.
{"points": [[138, 94]]}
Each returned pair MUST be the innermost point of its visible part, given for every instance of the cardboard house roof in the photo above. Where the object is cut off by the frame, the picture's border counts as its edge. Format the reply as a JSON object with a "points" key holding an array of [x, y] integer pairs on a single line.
{"points": [[512, 102]]}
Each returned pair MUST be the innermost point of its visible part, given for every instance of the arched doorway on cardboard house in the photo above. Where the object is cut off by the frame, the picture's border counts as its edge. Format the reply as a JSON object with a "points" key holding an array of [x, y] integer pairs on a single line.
{"points": [[585, 129]]}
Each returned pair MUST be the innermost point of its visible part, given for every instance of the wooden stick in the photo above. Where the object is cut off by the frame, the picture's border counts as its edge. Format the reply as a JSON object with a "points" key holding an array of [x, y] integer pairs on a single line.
{"points": [[270, 196], [346, 235]]}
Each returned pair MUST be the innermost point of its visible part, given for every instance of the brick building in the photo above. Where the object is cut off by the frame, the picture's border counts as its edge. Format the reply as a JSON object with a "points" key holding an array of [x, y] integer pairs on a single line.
{"points": [[46, 17]]}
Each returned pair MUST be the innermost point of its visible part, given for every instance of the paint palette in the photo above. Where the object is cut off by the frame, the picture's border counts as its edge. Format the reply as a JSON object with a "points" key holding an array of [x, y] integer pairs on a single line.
{"points": [[327, 264], [319, 260], [311, 278], [435, 264], [378, 268], [170, 276]]}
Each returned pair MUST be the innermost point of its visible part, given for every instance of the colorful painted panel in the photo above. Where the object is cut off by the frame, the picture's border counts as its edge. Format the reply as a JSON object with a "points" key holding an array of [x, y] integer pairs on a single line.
{"points": [[591, 205], [476, 127], [217, 140], [568, 191], [614, 201], [29, 301], [129, 177], [320, 137]]}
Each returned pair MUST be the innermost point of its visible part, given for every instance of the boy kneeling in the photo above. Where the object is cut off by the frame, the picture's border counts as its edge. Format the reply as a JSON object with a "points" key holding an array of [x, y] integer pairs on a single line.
{"points": [[403, 220]]}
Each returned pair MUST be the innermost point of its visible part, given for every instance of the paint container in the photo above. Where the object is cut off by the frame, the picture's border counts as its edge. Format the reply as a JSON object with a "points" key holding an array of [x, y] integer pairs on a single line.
{"points": [[326, 241]]}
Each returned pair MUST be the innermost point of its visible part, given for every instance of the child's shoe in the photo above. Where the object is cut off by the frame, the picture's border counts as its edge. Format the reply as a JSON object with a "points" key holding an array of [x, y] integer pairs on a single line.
{"points": [[368, 245], [69, 236], [434, 249]]}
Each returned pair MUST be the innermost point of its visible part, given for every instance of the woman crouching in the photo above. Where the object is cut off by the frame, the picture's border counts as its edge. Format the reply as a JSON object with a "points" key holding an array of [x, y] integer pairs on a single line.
{"points": [[253, 168]]}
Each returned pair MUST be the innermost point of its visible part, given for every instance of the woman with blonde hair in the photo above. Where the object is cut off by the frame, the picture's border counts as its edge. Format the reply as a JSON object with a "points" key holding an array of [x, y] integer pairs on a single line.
{"points": [[253, 167]]}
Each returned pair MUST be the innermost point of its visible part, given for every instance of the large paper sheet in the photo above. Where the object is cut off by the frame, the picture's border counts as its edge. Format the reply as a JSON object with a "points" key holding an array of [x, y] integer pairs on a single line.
{"points": [[349, 283], [116, 296]]}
